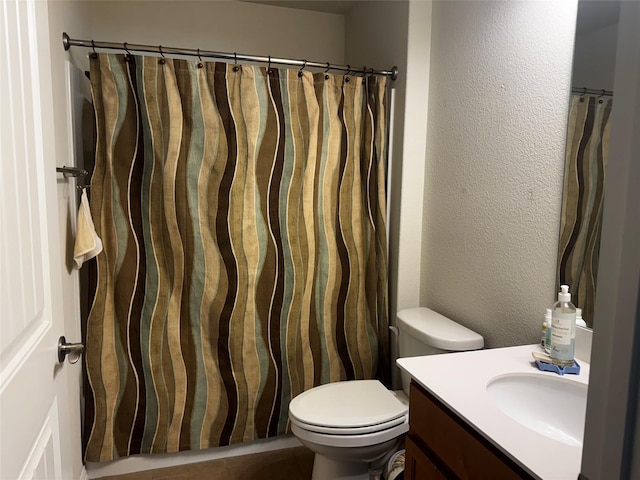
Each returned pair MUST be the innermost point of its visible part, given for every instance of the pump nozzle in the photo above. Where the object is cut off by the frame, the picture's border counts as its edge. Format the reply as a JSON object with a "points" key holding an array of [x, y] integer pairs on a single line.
{"points": [[563, 294]]}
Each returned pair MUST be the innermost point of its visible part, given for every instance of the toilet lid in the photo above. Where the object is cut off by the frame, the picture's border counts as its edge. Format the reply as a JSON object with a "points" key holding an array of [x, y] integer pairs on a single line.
{"points": [[350, 404]]}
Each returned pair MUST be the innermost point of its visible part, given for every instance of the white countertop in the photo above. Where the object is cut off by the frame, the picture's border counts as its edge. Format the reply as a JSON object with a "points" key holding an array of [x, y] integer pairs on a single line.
{"points": [[459, 381]]}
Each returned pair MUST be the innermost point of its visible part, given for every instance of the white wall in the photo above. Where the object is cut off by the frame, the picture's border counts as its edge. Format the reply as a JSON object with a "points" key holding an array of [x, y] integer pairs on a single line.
{"points": [[225, 26], [498, 102], [411, 190]]}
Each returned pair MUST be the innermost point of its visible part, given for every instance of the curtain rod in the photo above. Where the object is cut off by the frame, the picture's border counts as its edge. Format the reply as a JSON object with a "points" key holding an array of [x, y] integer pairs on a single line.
{"points": [[592, 91], [129, 47]]}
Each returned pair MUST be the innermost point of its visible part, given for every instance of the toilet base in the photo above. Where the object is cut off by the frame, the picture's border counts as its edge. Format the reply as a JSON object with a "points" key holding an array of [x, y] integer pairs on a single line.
{"points": [[325, 467]]}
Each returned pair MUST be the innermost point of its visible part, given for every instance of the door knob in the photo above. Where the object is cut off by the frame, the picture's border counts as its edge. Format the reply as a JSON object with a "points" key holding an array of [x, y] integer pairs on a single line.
{"points": [[74, 350]]}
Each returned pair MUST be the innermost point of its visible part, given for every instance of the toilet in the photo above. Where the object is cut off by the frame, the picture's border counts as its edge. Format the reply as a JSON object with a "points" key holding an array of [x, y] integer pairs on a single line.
{"points": [[353, 426]]}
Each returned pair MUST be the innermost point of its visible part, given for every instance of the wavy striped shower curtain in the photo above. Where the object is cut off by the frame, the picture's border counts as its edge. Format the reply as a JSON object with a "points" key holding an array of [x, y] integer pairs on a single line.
{"points": [[243, 219], [583, 194]]}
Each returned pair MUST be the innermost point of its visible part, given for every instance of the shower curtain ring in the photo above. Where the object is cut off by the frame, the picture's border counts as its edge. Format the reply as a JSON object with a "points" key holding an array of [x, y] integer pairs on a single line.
{"points": [[302, 68], [235, 58], [346, 75], [128, 53], [364, 75], [93, 46], [199, 60], [162, 60], [269, 66]]}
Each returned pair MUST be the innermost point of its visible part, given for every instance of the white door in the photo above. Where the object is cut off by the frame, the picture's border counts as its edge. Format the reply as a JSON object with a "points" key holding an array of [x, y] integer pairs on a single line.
{"points": [[36, 440]]}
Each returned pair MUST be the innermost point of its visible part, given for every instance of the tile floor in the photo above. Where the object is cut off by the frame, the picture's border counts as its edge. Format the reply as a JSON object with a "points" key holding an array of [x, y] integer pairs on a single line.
{"points": [[289, 464]]}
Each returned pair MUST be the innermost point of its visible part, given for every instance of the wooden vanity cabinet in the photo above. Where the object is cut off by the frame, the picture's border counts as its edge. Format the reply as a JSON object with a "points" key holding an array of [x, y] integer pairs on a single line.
{"points": [[442, 446]]}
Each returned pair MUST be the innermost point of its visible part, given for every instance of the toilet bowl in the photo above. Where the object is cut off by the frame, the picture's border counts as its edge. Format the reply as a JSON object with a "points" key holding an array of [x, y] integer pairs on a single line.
{"points": [[353, 426]]}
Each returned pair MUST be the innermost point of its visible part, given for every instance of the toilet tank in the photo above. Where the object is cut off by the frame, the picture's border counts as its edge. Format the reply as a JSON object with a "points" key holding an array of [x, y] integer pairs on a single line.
{"points": [[421, 331]]}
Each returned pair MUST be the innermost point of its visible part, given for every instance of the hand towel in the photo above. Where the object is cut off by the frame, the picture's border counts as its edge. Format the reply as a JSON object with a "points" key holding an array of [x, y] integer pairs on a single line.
{"points": [[88, 244]]}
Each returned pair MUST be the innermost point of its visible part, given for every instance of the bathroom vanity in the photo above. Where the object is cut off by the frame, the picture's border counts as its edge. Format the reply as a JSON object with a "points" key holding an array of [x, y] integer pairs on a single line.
{"points": [[491, 414], [441, 446]]}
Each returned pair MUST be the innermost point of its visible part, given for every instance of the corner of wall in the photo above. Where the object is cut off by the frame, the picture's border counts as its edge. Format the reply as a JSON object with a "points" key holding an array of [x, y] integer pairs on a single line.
{"points": [[410, 187]]}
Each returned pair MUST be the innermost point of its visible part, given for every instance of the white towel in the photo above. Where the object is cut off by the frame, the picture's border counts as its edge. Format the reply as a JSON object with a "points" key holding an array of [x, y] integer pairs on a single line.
{"points": [[88, 244]]}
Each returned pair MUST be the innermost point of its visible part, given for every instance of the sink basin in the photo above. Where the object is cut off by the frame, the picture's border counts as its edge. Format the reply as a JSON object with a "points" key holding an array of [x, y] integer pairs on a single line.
{"points": [[552, 406]]}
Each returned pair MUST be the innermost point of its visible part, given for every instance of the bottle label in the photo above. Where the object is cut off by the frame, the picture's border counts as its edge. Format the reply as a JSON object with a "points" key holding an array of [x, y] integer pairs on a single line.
{"points": [[562, 328]]}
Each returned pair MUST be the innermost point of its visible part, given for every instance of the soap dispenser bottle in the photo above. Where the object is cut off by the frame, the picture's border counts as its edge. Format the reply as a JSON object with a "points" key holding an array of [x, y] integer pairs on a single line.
{"points": [[547, 330], [563, 327]]}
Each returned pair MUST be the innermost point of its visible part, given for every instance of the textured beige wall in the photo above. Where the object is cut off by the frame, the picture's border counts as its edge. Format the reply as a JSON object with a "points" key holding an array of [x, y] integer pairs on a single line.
{"points": [[498, 102]]}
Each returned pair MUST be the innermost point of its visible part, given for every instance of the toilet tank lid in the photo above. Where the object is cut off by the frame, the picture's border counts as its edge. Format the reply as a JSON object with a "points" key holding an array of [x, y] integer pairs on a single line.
{"points": [[437, 330]]}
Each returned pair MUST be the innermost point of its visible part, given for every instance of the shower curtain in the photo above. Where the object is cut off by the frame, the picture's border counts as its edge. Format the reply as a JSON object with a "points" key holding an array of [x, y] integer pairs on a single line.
{"points": [[581, 219], [242, 212]]}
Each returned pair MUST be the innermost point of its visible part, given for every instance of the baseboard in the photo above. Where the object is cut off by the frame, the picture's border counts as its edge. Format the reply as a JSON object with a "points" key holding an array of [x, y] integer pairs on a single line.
{"points": [[140, 463]]}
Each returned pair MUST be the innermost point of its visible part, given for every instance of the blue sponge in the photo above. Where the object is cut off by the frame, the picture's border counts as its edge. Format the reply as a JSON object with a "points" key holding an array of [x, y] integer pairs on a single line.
{"points": [[550, 367]]}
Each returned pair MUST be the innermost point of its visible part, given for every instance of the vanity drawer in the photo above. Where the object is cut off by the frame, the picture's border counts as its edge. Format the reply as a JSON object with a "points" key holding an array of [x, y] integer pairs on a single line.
{"points": [[453, 443], [418, 465]]}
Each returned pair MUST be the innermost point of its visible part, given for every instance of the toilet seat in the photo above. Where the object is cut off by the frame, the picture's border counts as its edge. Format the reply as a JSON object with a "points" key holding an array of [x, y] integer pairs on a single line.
{"points": [[378, 427], [353, 407], [305, 435]]}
